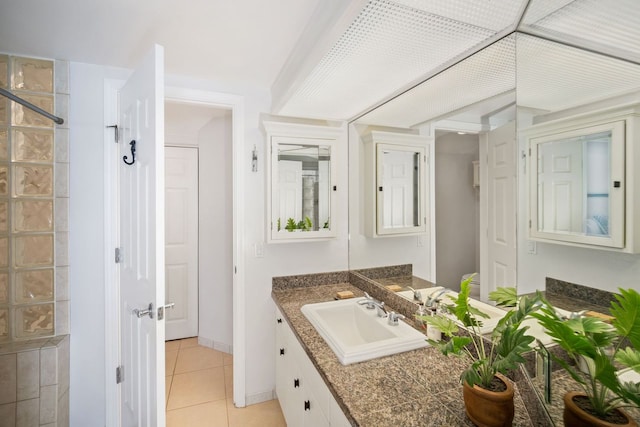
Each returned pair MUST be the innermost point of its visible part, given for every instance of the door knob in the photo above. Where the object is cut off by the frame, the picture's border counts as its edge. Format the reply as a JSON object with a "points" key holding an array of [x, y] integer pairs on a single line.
{"points": [[162, 308], [146, 312]]}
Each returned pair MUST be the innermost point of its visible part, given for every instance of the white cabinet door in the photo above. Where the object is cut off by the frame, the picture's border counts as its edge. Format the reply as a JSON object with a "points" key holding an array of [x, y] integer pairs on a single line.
{"points": [[303, 395]]}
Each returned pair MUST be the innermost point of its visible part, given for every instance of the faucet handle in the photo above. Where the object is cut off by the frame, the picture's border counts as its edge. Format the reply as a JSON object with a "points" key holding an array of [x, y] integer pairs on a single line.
{"points": [[394, 317], [417, 296]]}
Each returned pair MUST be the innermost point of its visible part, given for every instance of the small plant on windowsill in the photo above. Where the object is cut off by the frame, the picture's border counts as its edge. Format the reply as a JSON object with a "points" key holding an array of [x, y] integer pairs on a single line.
{"points": [[291, 225], [488, 394]]}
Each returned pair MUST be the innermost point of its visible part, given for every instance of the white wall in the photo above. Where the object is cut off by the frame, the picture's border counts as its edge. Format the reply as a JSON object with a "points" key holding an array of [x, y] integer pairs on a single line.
{"points": [[457, 208], [281, 259], [376, 252], [86, 243], [216, 234]]}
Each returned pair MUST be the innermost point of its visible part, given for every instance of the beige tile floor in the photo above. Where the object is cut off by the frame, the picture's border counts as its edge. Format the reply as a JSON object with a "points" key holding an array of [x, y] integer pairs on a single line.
{"points": [[199, 383]]}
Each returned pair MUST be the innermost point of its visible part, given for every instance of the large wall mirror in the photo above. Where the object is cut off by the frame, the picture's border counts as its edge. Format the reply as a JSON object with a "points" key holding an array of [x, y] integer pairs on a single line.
{"points": [[554, 68]]}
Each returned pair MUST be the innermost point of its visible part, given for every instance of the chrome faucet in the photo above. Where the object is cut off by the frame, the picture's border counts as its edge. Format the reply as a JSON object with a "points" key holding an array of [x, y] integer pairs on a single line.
{"points": [[372, 303], [417, 296], [394, 317], [433, 298]]}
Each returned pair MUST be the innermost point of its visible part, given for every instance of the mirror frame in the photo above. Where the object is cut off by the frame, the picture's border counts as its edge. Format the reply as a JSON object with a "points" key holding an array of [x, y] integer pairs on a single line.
{"points": [[279, 133], [618, 121]]}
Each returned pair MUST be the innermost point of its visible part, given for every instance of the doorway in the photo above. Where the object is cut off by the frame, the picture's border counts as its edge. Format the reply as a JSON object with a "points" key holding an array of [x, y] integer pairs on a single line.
{"points": [[199, 215], [457, 202]]}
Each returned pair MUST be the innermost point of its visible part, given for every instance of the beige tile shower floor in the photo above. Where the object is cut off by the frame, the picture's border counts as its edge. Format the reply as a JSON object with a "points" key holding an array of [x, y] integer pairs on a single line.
{"points": [[200, 390]]}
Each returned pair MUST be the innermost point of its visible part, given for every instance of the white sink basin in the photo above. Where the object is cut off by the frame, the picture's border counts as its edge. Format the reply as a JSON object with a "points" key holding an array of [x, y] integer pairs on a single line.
{"points": [[356, 334], [494, 313]]}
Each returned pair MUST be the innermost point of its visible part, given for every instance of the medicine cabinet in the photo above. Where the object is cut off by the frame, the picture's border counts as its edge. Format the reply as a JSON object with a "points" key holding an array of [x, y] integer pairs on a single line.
{"points": [[302, 187], [583, 187], [395, 169]]}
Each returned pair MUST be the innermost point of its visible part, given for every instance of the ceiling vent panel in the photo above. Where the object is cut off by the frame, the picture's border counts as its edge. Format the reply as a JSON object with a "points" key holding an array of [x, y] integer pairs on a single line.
{"points": [[391, 44]]}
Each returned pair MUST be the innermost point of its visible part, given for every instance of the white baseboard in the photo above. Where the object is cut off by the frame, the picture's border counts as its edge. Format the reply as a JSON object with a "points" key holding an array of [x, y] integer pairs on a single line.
{"points": [[216, 345], [260, 397]]}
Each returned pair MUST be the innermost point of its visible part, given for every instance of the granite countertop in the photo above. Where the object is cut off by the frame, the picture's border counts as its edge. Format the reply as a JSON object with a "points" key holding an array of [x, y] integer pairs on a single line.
{"points": [[415, 388]]}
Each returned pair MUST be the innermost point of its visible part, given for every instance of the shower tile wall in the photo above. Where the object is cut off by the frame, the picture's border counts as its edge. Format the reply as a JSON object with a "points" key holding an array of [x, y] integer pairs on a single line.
{"points": [[34, 206]]}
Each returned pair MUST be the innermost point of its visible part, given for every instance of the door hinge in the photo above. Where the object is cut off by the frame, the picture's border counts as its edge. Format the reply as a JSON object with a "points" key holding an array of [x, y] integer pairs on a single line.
{"points": [[119, 374], [529, 223], [115, 128], [118, 255]]}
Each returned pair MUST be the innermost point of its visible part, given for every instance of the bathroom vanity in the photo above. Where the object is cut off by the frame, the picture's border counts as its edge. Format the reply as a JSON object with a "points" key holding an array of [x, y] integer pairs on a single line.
{"points": [[388, 391]]}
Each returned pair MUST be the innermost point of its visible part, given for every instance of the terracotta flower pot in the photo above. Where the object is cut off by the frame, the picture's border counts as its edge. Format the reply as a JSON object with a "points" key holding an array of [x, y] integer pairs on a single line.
{"points": [[488, 408], [573, 416]]}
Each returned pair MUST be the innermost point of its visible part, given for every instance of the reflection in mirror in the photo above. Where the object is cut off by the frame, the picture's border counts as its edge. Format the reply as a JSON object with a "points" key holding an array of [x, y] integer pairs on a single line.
{"points": [[560, 84], [578, 187], [455, 110], [399, 188], [573, 173], [556, 79], [303, 189]]}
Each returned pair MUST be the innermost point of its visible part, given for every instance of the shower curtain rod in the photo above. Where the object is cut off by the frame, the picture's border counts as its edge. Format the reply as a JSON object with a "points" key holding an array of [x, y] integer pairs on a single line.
{"points": [[30, 106]]}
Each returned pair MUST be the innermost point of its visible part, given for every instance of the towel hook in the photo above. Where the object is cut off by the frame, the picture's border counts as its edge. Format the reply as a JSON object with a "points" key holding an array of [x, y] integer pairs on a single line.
{"points": [[133, 153]]}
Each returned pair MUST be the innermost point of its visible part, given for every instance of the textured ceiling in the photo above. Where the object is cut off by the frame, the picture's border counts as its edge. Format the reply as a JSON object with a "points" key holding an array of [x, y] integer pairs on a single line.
{"points": [[391, 44]]}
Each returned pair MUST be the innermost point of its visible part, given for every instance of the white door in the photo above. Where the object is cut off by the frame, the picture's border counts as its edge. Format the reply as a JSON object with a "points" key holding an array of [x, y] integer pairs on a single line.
{"points": [[500, 190], [141, 235], [181, 241]]}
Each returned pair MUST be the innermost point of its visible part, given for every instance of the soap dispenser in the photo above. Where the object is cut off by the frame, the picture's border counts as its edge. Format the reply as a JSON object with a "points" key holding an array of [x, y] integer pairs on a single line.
{"points": [[434, 333], [420, 323]]}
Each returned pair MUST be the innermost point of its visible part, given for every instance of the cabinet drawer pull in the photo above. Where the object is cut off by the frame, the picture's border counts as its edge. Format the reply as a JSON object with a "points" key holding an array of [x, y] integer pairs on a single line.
{"points": [[296, 383], [307, 405], [279, 320], [282, 352]]}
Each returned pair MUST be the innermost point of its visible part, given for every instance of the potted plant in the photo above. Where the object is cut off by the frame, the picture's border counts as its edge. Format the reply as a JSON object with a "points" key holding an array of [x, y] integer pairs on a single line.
{"points": [[596, 348], [488, 394]]}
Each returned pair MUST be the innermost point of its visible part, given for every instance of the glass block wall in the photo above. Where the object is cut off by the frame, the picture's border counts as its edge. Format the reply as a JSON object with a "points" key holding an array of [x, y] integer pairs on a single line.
{"points": [[27, 201]]}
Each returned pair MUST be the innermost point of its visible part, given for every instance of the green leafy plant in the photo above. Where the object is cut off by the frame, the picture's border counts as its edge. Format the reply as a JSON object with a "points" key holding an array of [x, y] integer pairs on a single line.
{"points": [[291, 225], [278, 224], [596, 346], [505, 297], [306, 224], [504, 349]]}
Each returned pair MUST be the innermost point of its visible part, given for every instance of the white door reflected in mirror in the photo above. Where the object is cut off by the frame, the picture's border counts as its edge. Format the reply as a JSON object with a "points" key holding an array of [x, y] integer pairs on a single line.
{"points": [[398, 192], [395, 197]]}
